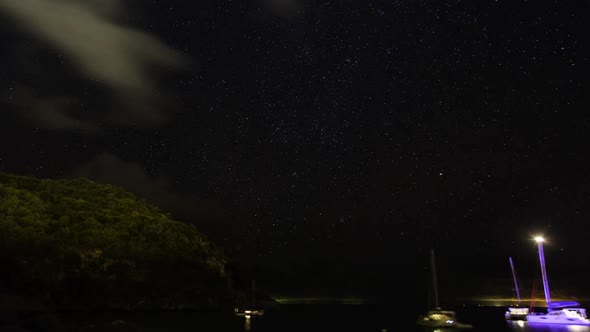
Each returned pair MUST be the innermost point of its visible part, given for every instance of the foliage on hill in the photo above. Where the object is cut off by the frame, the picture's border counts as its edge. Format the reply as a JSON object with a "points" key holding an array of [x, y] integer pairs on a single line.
{"points": [[75, 241]]}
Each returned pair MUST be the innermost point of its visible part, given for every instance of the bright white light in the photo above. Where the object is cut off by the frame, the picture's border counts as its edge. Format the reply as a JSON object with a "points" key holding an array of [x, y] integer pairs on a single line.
{"points": [[539, 239]]}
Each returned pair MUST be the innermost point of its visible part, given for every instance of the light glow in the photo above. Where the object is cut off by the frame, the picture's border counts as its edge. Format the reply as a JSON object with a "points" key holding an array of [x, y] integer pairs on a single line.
{"points": [[539, 239]]}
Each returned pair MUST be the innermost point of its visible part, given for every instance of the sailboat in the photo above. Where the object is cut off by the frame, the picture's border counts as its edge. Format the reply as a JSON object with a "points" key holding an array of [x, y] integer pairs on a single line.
{"points": [[438, 318], [516, 312], [563, 313], [251, 309]]}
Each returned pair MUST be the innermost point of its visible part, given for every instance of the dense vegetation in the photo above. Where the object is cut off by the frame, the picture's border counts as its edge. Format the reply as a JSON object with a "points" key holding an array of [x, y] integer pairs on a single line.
{"points": [[78, 243]]}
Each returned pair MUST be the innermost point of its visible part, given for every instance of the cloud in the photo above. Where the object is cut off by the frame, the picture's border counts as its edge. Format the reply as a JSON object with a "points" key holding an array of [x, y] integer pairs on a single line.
{"points": [[50, 112], [109, 169], [86, 33]]}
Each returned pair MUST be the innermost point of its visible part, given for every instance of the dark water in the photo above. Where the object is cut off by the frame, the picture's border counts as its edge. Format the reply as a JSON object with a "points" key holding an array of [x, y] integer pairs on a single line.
{"points": [[297, 318]]}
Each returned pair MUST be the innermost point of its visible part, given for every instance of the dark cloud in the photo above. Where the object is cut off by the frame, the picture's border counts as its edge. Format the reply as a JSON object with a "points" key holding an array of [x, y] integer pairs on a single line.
{"points": [[108, 168], [118, 57], [50, 112]]}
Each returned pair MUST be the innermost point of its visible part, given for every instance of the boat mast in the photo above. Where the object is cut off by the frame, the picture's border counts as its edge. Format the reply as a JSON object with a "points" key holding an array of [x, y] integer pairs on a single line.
{"points": [[539, 241], [253, 293], [532, 304], [514, 277], [434, 283]]}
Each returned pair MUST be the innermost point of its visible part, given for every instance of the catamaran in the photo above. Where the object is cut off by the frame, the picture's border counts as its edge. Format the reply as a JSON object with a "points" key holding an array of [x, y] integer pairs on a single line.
{"points": [[564, 313], [516, 312], [438, 318]]}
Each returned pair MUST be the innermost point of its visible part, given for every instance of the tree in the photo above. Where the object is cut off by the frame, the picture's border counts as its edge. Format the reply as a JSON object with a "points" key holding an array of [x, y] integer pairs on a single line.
{"points": [[76, 240]]}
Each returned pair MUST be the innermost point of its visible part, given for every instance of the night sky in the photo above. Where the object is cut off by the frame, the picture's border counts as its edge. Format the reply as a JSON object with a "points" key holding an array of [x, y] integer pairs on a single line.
{"points": [[323, 144]]}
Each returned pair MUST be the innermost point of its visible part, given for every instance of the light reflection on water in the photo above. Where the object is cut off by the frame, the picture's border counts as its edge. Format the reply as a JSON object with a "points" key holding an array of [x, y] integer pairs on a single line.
{"points": [[247, 323], [514, 326], [523, 326], [311, 318]]}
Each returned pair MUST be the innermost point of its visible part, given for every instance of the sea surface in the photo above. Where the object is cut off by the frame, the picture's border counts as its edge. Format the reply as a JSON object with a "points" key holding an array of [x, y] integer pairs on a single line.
{"points": [[298, 318]]}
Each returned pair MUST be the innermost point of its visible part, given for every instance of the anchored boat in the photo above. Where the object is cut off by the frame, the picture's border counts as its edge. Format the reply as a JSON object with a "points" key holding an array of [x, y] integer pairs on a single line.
{"points": [[516, 312], [438, 318], [251, 308], [563, 313]]}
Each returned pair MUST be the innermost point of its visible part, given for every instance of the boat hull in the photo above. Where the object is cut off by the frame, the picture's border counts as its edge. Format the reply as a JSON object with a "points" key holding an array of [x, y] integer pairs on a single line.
{"points": [[516, 313], [249, 313], [557, 320], [514, 317], [435, 324], [441, 319]]}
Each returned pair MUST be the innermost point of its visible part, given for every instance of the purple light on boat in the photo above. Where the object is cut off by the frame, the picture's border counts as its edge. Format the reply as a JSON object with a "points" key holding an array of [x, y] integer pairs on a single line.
{"points": [[514, 277], [540, 240]]}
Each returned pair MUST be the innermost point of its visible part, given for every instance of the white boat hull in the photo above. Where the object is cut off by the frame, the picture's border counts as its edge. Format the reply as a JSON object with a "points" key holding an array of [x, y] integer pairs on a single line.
{"points": [[559, 317], [547, 320], [514, 317]]}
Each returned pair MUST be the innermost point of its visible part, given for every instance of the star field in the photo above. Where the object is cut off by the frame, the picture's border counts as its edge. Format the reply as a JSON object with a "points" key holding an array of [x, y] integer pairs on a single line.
{"points": [[335, 131]]}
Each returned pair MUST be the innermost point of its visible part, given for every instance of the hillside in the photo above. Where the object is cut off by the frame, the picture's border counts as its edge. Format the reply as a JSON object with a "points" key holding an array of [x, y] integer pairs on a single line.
{"points": [[76, 243]]}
